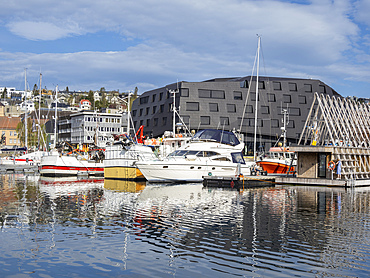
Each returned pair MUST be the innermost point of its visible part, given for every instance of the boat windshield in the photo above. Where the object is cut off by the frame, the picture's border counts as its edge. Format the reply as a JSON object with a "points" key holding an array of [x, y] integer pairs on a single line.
{"points": [[195, 153], [225, 137]]}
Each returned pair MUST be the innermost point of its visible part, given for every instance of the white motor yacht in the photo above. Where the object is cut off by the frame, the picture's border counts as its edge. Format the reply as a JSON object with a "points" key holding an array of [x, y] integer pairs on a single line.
{"points": [[210, 152]]}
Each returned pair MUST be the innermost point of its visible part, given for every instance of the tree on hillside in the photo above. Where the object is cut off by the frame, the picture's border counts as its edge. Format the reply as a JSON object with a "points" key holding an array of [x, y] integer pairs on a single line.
{"points": [[4, 94], [33, 133], [35, 90]]}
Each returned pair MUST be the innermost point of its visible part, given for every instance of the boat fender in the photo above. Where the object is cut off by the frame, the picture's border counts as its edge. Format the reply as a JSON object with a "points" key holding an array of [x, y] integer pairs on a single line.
{"points": [[331, 165]]}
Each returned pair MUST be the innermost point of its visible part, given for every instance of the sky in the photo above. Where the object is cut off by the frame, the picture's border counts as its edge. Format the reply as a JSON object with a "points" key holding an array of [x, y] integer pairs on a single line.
{"points": [[121, 44]]}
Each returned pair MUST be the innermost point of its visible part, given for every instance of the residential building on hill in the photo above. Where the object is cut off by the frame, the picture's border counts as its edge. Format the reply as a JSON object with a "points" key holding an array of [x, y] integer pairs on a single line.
{"points": [[220, 103], [8, 126]]}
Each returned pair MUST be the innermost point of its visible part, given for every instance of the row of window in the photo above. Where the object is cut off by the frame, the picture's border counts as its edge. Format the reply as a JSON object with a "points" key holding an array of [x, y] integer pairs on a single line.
{"points": [[276, 85], [99, 119], [11, 133], [153, 98], [224, 121], [231, 108]]}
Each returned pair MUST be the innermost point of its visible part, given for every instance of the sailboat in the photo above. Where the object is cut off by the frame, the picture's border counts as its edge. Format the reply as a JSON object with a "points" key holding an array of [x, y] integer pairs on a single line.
{"points": [[55, 164]]}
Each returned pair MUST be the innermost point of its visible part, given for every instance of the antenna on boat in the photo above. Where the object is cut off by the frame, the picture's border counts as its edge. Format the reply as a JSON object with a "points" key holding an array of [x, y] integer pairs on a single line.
{"points": [[256, 109]]}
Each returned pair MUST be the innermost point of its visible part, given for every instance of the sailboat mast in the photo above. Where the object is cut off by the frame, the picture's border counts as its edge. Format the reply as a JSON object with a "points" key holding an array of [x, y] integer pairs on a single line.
{"points": [[256, 109], [25, 113], [55, 117], [174, 114], [39, 129]]}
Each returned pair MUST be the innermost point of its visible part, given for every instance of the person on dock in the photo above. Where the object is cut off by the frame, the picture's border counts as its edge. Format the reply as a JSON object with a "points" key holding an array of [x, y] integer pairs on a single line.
{"points": [[339, 169]]}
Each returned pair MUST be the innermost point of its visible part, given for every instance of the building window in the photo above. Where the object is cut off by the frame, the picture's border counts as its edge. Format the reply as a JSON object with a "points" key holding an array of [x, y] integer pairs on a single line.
{"points": [[244, 84], [231, 108], [271, 97], [169, 95], [164, 121], [291, 124], [141, 122], [219, 94], [287, 98], [265, 109], [154, 109], [153, 97], [293, 87], [160, 96], [161, 108], [185, 92], [261, 84], [274, 123], [147, 122], [276, 85], [186, 119], [294, 111], [213, 107], [205, 120], [249, 109], [192, 106], [308, 88], [204, 93], [147, 111], [170, 107], [238, 95], [253, 97], [141, 112], [322, 89], [224, 121], [302, 99], [155, 121], [144, 100]]}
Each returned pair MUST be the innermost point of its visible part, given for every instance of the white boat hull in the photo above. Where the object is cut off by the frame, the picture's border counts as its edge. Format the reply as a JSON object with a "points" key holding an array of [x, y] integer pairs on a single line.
{"points": [[56, 165], [162, 171]]}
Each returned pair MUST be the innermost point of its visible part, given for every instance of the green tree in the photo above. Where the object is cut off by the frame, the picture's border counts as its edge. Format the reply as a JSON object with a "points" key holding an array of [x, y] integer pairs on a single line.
{"points": [[35, 90], [4, 94], [33, 133], [104, 101]]}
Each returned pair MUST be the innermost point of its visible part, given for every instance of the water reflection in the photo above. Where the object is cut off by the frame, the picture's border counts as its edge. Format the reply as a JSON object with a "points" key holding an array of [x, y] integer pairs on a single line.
{"points": [[111, 227]]}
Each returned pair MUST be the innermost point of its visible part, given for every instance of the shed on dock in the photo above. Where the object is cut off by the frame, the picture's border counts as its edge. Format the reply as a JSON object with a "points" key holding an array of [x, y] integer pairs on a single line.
{"points": [[335, 129]]}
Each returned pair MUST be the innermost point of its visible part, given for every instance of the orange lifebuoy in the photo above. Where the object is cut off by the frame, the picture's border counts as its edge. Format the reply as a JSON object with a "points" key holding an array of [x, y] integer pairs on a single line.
{"points": [[331, 165]]}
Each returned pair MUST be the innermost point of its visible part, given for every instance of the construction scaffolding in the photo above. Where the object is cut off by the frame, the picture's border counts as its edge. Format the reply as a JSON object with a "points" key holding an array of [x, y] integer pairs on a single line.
{"points": [[344, 125]]}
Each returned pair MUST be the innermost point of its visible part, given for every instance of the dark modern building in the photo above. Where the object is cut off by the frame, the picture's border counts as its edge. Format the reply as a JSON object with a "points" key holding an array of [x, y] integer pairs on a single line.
{"points": [[220, 103]]}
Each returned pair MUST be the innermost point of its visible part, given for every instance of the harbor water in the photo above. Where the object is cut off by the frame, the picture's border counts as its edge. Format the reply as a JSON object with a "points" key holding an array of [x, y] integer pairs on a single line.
{"points": [[107, 228]]}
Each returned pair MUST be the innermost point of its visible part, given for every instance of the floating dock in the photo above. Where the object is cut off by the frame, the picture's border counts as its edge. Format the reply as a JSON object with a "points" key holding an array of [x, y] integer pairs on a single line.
{"points": [[239, 182], [17, 169]]}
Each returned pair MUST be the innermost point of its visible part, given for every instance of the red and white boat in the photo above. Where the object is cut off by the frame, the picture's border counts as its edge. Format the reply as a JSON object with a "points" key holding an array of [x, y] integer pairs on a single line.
{"points": [[58, 165], [278, 161], [31, 158]]}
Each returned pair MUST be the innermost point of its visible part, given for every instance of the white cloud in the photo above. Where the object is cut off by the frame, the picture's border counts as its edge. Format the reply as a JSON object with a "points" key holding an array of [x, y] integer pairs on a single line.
{"points": [[190, 39], [41, 30]]}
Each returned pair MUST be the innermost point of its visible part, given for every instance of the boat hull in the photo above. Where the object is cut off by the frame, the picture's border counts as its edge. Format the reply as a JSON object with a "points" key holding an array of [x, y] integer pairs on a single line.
{"points": [[272, 167], [64, 166], [123, 173], [187, 172]]}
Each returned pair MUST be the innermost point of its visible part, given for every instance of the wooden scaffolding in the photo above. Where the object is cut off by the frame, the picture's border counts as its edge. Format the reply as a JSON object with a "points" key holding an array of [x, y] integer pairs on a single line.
{"points": [[343, 124]]}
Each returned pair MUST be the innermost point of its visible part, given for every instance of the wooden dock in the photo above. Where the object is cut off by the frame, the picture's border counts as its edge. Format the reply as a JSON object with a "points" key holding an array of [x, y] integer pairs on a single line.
{"points": [[18, 169], [322, 182], [239, 182], [271, 181]]}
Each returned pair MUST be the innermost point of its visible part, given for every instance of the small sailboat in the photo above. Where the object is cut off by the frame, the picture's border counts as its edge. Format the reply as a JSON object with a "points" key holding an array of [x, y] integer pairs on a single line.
{"points": [[55, 164]]}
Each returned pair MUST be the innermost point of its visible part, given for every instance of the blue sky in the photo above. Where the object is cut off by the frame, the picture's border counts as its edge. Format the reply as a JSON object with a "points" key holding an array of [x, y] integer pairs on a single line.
{"points": [[120, 45]]}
